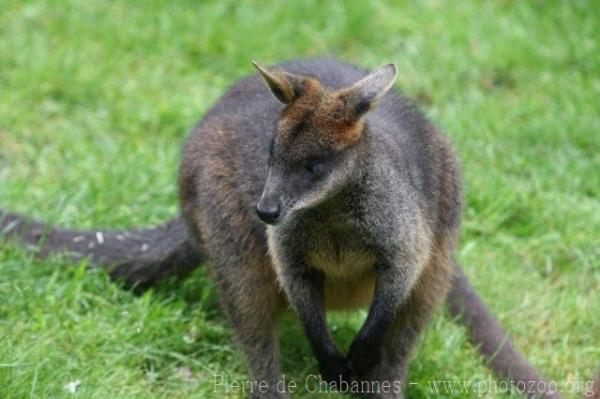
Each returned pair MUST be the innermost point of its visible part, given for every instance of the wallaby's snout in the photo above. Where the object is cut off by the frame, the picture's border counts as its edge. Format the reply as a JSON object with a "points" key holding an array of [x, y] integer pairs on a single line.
{"points": [[269, 207], [269, 210]]}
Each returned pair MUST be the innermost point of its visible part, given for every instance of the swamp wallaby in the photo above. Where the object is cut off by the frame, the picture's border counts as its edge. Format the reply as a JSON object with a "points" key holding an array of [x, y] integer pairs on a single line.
{"points": [[362, 199]]}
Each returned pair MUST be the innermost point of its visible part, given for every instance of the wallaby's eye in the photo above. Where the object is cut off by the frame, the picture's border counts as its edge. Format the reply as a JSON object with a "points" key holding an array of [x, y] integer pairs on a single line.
{"points": [[271, 147], [316, 168]]}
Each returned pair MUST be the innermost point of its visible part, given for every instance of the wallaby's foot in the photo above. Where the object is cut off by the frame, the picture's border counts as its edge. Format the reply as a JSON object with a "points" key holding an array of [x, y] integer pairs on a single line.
{"points": [[336, 371]]}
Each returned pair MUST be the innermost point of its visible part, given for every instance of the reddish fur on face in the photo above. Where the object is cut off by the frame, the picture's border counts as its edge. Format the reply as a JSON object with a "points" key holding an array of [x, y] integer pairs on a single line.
{"points": [[321, 116]]}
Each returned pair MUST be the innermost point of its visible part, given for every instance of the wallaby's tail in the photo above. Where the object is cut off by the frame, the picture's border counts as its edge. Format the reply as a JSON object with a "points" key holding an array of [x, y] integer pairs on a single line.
{"points": [[494, 344], [143, 257], [594, 392], [139, 257]]}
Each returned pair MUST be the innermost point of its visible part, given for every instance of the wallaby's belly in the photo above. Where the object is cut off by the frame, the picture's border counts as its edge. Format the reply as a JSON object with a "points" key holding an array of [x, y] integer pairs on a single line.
{"points": [[350, 293], [339, 263], [349, 271]]}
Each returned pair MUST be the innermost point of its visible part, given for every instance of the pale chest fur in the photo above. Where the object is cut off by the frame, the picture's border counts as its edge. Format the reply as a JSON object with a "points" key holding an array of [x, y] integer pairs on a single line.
{"points": [[339, 255], [345, 261], [348, 267]]}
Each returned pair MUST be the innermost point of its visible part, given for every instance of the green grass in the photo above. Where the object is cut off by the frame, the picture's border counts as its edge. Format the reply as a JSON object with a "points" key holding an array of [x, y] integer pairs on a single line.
{"points": [[96, 98]]}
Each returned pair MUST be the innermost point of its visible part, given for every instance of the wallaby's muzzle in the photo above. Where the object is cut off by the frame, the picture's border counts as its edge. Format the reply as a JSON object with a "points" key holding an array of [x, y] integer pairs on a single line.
{"points": [[269, 206], [269, 211]]}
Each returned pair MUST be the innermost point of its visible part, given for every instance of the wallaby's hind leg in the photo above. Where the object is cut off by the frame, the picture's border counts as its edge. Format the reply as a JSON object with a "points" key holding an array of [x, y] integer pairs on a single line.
{"points": [[253, 305], [390, 376], [235, 240]]}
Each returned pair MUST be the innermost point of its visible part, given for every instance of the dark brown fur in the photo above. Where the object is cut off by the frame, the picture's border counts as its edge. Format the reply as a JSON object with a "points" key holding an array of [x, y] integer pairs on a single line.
{"points": [[225, 160]]}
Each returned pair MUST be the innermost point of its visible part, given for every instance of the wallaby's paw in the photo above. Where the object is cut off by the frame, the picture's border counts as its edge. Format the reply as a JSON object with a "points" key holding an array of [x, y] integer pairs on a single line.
{"points": [[335, 371], [362, 358]]}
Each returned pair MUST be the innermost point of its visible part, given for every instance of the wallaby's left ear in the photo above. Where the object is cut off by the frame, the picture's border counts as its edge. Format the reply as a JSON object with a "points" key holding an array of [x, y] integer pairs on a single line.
{"points": [[366, 93], [284, 86]]}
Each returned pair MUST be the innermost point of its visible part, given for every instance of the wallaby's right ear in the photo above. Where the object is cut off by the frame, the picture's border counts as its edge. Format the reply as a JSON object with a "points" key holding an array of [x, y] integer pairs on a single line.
{"points": [[284, 86], [366, 93]]}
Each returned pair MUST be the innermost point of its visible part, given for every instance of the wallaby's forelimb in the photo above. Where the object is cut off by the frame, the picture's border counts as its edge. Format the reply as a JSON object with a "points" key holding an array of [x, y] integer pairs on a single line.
{"points": [[139, 257], [145, 256]]}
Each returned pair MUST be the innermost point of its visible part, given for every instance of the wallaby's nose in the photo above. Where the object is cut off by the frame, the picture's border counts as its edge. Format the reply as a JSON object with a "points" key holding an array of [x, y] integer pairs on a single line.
{"points": [[269, 212]]}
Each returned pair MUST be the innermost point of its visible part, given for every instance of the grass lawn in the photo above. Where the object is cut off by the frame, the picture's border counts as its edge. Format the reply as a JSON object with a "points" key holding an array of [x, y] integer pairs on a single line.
{"points": [[96, 98]]}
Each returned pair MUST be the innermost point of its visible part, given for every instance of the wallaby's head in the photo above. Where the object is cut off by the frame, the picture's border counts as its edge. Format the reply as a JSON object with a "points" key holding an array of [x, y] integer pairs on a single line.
{"points": [[314, 149]]}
